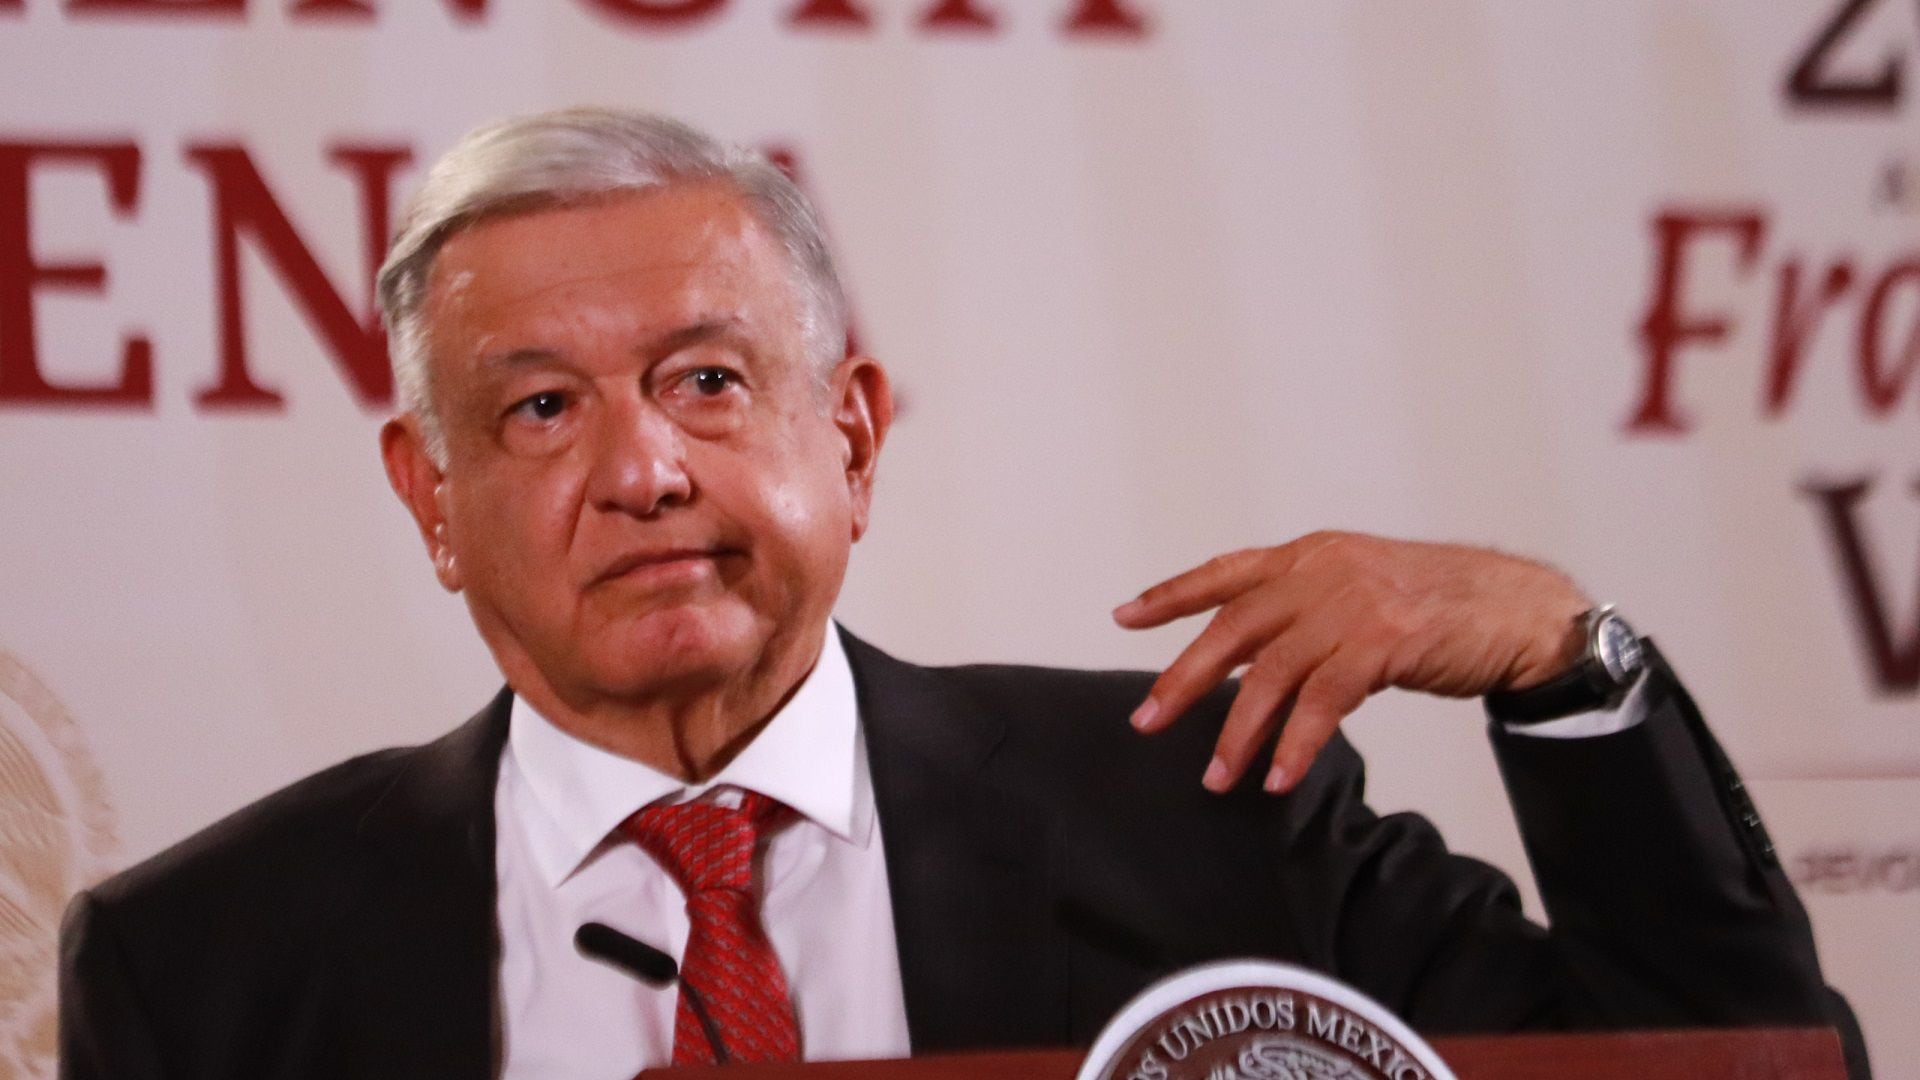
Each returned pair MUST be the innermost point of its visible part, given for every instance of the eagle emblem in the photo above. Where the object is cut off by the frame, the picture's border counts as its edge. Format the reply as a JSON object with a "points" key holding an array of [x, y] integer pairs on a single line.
{"points": [[56, 834]]}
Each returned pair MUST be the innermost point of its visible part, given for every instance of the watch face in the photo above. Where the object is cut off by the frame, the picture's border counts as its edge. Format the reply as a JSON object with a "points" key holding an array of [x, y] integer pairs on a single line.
{"points": [[1618, 649]]}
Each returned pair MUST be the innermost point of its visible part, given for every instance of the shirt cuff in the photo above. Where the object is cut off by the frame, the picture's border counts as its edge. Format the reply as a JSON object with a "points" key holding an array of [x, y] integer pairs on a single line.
{"points": [[1631, 710]]}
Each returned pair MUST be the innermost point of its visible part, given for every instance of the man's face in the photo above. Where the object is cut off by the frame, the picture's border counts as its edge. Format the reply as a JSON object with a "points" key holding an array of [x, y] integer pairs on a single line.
{"points": [[647, 489]]}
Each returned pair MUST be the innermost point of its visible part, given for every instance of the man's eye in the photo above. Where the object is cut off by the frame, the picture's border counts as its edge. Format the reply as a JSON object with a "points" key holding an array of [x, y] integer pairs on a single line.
{"points": [[543, 406], [709, 382]]}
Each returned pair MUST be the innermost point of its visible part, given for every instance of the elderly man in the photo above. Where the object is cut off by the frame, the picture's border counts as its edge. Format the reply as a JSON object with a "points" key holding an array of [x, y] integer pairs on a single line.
{"points": [[635, 443]]}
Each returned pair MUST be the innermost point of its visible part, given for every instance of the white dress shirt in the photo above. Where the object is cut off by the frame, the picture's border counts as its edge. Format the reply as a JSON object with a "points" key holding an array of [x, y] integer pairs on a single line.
{"points": [[561, 863]]}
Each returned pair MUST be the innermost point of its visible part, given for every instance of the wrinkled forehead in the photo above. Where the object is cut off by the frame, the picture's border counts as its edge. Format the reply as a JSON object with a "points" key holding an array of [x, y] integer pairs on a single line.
{"points": [[682, 228], [656, 259]]}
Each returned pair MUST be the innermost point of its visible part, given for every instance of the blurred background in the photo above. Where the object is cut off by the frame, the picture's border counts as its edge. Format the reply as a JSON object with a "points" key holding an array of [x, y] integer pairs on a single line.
{"points": [[1632, 287]]}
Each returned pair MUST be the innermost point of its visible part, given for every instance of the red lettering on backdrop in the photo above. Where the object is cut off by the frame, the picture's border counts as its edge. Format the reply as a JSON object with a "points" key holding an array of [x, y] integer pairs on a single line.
{"points": [[1896, 666], [957, 15], [221, 8], [364, 9], [20, 378], [1667, 327], [1088, 18], [242, 204], [660, 13], [1105, 17], [1881, 388], [829, 13], [1796, 323]]}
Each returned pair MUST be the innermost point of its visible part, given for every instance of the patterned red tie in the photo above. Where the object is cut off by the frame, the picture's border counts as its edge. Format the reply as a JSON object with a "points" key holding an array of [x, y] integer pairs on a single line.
{"points": [[709, 848]]}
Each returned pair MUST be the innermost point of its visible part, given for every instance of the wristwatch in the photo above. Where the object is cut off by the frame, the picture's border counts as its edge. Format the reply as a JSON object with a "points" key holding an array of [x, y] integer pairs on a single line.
{"points": [[1612, 660]]}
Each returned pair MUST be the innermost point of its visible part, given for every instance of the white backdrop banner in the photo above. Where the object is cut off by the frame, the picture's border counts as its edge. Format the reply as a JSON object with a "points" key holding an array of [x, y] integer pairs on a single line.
{"points": [[1631, 287]]}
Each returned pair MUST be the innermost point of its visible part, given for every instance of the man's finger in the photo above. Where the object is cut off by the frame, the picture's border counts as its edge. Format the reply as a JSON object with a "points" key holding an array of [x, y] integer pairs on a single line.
{"points": [[1276, 673], [1327, 697], [1208, 585], [1220, 579], [1229, 640], [1240, 629]]}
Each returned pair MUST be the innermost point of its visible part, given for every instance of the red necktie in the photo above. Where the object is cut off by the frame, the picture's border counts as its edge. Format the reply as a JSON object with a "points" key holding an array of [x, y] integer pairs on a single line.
{"points": [[709, 848]]}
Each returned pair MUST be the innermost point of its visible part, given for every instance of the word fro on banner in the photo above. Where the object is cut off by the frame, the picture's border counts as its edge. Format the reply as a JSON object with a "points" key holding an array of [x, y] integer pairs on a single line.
{"points": [[1873, 305]]}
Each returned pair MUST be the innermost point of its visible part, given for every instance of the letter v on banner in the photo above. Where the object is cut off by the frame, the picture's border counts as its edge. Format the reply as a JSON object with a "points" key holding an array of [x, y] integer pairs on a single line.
{"points": [[1895, 663]]}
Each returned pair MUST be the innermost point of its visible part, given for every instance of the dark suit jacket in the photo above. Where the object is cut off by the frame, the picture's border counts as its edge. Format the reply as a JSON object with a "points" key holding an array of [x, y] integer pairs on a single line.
{"points": [[1045, 864]]}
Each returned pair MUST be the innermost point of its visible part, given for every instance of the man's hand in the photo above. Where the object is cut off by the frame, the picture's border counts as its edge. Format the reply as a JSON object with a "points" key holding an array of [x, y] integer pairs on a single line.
{"points": [[1331, 618]]}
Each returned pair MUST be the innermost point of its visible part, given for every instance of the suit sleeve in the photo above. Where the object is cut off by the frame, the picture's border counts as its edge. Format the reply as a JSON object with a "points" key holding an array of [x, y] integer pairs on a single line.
{"points": [[1653, 865], [1666, 904], [1662, 887], [105, 1030]]}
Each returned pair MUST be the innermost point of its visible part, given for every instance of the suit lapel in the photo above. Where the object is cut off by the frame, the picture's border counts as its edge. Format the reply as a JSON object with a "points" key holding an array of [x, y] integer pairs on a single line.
{"points": [[421, 937], [967, 863]]}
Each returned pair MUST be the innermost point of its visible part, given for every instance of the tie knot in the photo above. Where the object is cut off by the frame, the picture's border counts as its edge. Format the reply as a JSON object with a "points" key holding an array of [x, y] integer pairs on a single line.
{"points": [[705, 845]]}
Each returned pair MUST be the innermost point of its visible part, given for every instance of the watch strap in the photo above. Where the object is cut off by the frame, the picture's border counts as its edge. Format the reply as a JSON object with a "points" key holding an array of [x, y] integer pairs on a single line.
{"points": [[1556, 699]]}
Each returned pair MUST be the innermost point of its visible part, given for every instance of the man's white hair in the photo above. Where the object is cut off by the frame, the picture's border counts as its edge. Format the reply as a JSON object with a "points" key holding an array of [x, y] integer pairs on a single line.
{"points": [[572, 156]]}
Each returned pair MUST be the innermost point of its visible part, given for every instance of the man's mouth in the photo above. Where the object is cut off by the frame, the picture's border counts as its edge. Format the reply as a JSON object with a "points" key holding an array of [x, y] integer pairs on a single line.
{"points": [[662, 566]]}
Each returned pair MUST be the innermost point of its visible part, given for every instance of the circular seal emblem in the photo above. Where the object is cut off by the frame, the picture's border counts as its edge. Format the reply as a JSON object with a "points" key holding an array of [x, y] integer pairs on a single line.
{"points": [[56, 833], [1258, 1020]]}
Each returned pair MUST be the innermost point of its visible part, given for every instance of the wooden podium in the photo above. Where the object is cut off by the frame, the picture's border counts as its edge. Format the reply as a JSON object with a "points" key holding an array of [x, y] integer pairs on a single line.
{"points": [[1721, 1054]]}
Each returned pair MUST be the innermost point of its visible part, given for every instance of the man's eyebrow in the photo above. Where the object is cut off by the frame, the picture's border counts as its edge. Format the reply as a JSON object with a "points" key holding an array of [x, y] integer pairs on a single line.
{"points": [[710, 329], [519, 358], [718, 328]]}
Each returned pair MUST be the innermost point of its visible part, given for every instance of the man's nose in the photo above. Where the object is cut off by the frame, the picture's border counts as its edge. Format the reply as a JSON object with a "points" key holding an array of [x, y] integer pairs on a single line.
{"points": [[640, 467]]}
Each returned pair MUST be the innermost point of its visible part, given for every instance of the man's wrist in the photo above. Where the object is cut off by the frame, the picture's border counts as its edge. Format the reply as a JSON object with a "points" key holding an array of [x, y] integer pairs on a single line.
{"points": [[1570, 650], [1608, 661]]}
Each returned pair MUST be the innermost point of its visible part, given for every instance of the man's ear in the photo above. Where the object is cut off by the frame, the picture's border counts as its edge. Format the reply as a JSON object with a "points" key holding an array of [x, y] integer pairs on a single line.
{"points": [[416, 479], [863, 411]]}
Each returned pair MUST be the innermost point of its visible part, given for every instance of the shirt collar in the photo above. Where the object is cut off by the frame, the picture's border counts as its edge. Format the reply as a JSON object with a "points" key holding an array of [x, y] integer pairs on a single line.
{"points": [[810, 756]]}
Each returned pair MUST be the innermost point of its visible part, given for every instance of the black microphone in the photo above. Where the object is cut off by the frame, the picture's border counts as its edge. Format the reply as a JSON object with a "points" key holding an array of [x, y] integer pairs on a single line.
{"points": [[650, 966]]}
